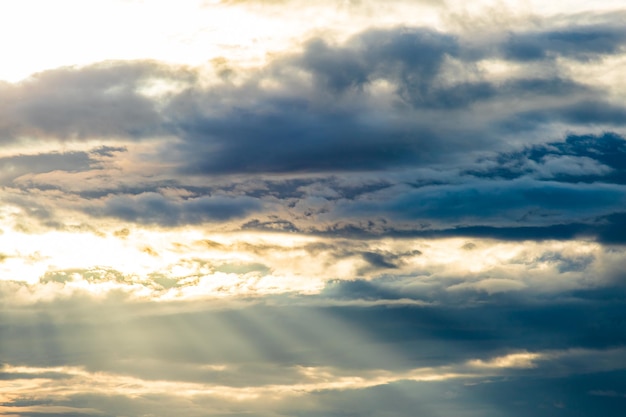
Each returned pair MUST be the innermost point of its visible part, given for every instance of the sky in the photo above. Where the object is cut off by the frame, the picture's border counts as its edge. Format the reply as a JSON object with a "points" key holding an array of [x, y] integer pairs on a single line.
{"points": [[317, 209]]}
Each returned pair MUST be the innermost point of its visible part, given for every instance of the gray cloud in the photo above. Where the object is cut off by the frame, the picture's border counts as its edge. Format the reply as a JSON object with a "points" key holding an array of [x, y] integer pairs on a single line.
{"points": [[582, 43], [340, 122], [335, 118], [554, 190], [259, 346], [154, 208], [393, 133], [13, 167], [504, 202], [101, 100]]}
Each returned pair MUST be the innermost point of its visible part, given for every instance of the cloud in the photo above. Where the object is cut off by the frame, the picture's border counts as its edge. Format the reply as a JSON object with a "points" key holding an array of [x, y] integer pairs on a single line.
{"points": [[554, 190], [582, 43], [15, 166], [154, 208], [380, 100], [502, 203], [102, 100], [541, 318], [490, 285], [399, 221], [377, 101], [265, 358]]}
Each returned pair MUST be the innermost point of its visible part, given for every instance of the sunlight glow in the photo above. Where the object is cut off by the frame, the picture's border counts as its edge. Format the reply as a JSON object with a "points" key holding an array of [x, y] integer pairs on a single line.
{"points": [[513, 360], [189, 264], [192, 32]]}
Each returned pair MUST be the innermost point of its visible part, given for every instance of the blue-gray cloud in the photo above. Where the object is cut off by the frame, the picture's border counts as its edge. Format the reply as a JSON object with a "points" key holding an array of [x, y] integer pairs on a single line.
{"points": [[154, 208], [582, 43], [334, 119], [338, 123], [13, 167], [99, 101]]}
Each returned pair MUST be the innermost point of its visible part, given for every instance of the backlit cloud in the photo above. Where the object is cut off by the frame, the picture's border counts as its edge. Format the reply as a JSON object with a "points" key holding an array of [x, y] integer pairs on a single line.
{"points": [[280, 208]]}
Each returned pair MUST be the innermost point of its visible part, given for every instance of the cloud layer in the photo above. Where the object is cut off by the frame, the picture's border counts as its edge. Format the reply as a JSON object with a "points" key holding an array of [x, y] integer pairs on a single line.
{"points": [[385, 218]]}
